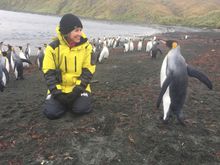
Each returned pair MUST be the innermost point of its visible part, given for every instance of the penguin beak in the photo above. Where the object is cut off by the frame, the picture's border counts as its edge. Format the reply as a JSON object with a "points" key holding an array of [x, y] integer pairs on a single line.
{"points": [[174, 44]]}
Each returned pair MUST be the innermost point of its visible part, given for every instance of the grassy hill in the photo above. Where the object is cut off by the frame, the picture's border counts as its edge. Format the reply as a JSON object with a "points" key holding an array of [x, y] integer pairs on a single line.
{"points": [[200, 13]]}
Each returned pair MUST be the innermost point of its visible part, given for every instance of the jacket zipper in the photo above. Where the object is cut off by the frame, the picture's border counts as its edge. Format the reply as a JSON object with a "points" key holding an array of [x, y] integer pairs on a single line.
{"points": [[75, 64], [65, 65]]}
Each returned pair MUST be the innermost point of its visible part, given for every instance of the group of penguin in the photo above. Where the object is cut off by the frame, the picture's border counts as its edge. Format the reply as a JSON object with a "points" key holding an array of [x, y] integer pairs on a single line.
{"points": [[15, 62], [151, 46], [174, 73], [101, 46]]}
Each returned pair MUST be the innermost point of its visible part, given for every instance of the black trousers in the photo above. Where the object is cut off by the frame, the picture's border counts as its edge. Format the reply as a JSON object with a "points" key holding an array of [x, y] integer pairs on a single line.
{"points": [[53, 109]]}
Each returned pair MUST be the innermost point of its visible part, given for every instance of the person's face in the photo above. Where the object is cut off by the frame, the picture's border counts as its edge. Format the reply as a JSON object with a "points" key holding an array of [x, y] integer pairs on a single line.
{"points": [[75, 35]]}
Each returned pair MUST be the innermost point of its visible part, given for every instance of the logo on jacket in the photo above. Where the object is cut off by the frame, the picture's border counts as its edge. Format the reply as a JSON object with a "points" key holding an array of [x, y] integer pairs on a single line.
{"points": [[84, 94]]}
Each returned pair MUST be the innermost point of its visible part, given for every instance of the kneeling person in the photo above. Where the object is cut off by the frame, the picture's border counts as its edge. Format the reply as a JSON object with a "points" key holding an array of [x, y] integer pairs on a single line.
{"points": [[68, 68]]}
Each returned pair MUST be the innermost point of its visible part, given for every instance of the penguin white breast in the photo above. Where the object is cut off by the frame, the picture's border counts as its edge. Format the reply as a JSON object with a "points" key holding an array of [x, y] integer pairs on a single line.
{"points": [[7, 64], [4, 79], [131, 46], [105, 52], [163, 75], [38, 62], [149, 46], [126, 47], [139, 45], [12, 62], [21, 55], [166, 96]]}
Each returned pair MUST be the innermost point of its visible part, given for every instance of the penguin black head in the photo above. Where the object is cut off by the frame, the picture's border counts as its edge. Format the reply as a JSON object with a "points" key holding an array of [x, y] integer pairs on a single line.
{"points": [[9, 47], [4, 54], [171, 44]]}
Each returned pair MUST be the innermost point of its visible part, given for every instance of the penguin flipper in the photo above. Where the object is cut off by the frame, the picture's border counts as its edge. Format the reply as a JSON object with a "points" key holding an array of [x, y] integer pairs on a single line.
{"points": [[27, 61], [6, 74], [15, 66], [164, 87], [199, 75]]}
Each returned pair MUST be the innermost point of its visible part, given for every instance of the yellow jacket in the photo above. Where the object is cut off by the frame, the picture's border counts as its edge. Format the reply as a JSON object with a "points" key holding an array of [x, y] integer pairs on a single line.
{"points": [[75, 64]]}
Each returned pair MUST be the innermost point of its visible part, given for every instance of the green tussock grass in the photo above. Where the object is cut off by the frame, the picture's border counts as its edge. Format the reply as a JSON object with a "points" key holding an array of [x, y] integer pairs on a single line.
{"points": [[199, 13]]}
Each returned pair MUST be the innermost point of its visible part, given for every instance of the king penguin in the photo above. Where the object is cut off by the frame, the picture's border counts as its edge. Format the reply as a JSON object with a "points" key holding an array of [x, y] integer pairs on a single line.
{"points": [[4, 74], [174, 81], [17, 64], [3, 78], [104, 53], [23, 56], [40, 57], [27, 51]]}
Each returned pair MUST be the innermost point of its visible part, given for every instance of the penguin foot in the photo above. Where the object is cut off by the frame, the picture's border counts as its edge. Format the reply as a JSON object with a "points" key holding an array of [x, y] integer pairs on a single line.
{"points": [[165, 122], [181, 122]]}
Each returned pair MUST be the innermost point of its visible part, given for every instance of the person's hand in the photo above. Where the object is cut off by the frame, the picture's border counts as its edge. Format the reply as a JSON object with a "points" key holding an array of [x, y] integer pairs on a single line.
{"points": [[76, 92], [61, 97]]}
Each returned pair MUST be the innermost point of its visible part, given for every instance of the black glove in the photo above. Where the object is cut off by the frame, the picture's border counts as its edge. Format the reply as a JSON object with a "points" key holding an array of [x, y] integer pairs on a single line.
{"points": [[76, 92], [62, 98], [59, 96]]}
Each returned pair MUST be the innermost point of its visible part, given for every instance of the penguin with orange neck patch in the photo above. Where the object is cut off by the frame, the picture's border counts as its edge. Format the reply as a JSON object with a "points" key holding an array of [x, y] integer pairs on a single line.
{"points": [[174, 81]]}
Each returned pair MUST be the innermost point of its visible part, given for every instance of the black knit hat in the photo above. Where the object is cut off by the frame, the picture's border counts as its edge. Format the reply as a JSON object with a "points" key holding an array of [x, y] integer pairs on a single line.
{"points": [[68, 23]]}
